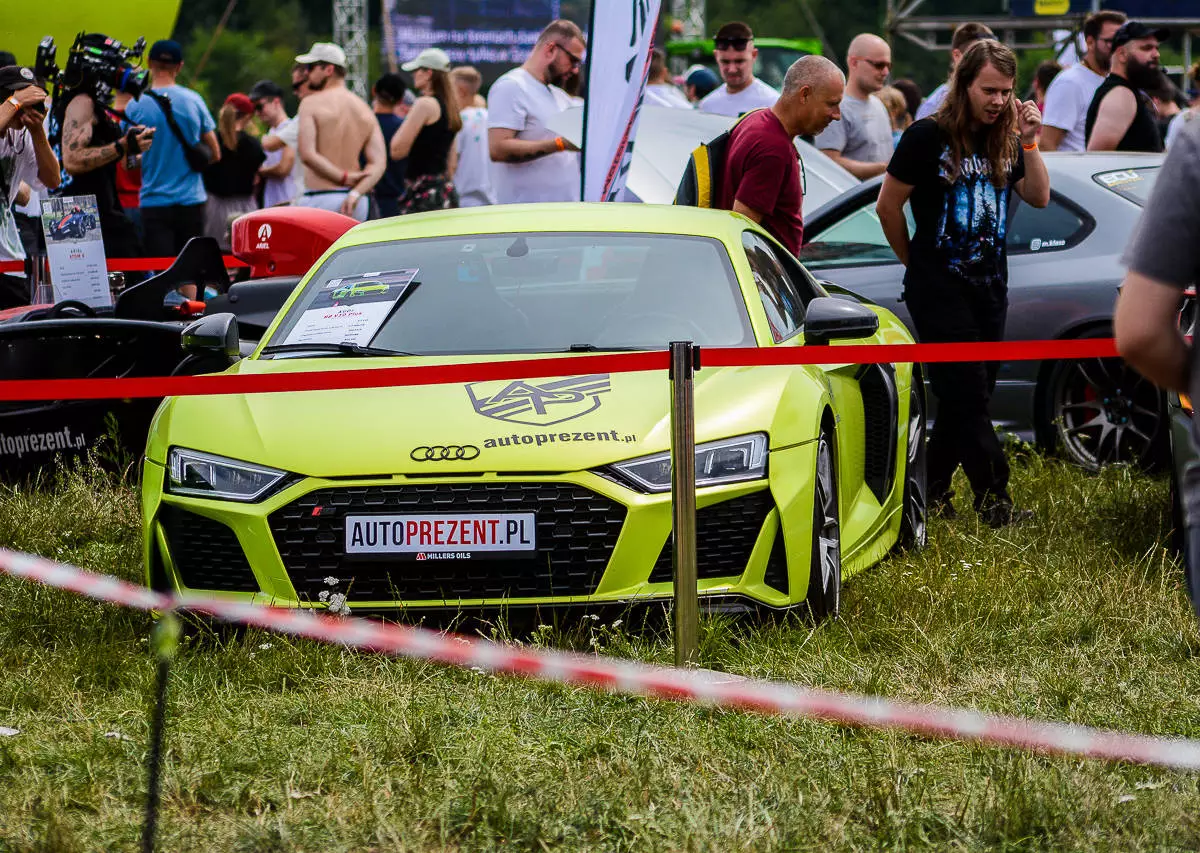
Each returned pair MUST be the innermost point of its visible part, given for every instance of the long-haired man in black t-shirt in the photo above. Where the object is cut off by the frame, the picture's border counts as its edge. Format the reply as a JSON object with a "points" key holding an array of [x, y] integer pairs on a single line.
{"points": [[957, 169]]}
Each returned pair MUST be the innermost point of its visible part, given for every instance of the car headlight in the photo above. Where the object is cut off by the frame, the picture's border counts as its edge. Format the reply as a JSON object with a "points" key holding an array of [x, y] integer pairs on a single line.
{"points": [[204, 475], [730, 460]]}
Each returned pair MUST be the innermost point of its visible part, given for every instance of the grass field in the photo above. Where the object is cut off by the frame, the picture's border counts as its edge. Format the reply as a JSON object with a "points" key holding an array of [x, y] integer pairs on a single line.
{"points": [[281, 745]]}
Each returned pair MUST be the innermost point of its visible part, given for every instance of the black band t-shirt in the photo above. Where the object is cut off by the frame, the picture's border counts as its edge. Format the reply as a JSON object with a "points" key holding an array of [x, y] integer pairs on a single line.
{"points": [[961, 220]]}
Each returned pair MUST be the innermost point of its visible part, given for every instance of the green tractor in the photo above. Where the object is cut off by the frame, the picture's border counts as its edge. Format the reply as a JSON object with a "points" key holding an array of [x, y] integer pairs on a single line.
{"points": [[775, 56]]}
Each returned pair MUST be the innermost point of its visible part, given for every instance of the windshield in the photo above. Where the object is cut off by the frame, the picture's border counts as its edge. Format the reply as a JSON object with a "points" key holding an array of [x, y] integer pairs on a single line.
{"points": [[1133, 184], [534, 292]]}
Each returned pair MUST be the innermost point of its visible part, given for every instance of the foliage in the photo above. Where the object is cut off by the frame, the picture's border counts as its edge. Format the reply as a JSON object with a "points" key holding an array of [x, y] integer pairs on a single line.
{"points": [[276, 744]]}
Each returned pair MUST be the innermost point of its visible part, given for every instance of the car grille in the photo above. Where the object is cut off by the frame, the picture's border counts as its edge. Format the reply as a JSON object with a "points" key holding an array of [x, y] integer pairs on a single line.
{"points": [[206, 553], [725, 536], [776, 575], [577, 530]]}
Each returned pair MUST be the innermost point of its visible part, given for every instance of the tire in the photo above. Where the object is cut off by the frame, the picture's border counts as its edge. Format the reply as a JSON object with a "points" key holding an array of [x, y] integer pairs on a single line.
{"points": [[914, 533], [1102, 412], [825, 568]]}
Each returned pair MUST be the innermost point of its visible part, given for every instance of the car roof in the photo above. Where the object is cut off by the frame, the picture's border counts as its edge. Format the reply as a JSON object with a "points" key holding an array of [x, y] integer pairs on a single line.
{"points": [[552, 217]]}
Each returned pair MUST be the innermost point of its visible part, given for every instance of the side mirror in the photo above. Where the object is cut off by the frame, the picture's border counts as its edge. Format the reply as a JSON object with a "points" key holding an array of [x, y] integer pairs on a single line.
{"points": [[829, 318], [214, 335]]}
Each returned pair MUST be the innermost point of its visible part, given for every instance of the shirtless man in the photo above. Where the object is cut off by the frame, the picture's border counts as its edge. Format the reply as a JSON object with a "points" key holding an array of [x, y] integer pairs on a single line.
{"points": [[337, 128]]}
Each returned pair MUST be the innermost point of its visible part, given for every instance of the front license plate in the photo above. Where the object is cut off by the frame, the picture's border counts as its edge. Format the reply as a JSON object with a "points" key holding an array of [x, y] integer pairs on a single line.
{"points": [[469, 533]]}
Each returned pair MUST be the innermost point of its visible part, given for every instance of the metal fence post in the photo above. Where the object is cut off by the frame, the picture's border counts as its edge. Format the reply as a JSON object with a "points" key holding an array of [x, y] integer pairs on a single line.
{"points": [[685, 359]]}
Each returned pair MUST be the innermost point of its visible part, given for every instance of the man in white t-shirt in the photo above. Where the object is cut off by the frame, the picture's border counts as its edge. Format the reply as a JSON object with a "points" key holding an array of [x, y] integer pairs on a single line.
{"points": [[1064, 116], [472, 178], [25, 155], [277, 170], [965, 35], [659, 90], [733, 47], [531, 163]]}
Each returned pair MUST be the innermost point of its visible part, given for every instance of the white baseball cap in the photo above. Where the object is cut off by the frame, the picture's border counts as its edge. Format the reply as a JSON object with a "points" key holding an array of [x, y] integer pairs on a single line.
{"points": [[432, 58], [323, 51]]}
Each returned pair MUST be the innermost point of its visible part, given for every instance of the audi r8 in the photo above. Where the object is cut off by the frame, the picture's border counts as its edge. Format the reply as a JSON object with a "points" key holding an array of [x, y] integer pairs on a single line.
{"points": [[552, 490], [1064, 268]]}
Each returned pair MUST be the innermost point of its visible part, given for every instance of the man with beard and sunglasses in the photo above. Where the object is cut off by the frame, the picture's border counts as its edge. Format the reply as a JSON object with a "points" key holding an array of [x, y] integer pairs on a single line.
{"points": [[1121, 117], [958, 169], [1064, 120], [532, 163], [338, 131], [741, 92]]}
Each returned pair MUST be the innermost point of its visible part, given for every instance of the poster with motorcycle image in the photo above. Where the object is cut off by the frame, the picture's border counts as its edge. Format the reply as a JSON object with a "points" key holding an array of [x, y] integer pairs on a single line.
{"points": [[75, 249]]}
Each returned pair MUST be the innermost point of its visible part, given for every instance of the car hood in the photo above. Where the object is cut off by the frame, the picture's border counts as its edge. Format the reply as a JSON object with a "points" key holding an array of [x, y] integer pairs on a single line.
{"points": [[551, 424]]}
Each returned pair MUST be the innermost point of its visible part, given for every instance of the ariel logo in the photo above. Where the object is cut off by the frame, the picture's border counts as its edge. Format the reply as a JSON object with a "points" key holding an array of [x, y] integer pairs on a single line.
{"points": [[539, 403]]}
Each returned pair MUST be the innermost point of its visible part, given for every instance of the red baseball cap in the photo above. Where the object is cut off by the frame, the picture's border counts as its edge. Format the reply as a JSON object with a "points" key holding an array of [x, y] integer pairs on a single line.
{"points": [[241, 103]]}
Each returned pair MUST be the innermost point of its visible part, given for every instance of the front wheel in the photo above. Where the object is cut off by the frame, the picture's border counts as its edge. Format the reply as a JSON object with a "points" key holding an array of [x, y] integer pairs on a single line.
{"points": [[825, 570], [913, 531]]}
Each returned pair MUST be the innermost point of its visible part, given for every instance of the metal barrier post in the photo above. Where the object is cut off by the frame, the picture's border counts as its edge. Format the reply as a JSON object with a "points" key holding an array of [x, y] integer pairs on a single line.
{"points": [[685, 359]]}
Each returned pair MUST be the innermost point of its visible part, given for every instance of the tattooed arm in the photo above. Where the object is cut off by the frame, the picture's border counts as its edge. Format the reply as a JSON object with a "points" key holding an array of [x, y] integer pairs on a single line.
{"points": [[79, 155]]}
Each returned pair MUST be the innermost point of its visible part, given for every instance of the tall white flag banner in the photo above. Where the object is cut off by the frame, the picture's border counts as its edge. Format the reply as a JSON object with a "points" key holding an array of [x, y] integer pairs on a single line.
{"points": [[620, 39]]}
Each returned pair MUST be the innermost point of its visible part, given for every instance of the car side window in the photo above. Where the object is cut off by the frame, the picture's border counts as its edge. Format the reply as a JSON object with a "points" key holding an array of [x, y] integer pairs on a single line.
{"points": [[857, 239], [1058, 225], [780, 298]]}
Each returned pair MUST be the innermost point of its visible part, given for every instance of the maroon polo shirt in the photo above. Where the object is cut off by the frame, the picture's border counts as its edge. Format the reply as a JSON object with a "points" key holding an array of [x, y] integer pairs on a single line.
{"points": [[762, 171]]}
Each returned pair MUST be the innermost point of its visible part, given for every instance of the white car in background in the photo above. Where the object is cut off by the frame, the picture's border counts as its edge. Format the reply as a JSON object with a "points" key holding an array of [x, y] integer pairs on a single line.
{"points": [[666, 138]]}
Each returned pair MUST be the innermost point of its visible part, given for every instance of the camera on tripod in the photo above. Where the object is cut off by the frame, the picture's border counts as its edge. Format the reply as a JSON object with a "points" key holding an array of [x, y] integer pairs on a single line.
{"points": [[96, 64]]}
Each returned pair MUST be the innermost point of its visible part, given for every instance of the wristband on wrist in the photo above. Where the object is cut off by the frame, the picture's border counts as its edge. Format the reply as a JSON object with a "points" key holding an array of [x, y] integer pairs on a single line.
{"points": [[344, 176], [17, 105], [559, 144], [1032, 146]]}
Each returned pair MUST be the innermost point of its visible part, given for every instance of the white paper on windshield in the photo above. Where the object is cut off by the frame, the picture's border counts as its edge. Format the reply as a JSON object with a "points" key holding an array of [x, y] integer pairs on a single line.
{"points": [[351, 309]]}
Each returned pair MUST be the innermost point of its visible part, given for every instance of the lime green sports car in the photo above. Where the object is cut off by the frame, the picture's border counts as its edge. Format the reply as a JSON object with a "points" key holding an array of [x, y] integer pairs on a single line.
{"points": [[549, 491]]}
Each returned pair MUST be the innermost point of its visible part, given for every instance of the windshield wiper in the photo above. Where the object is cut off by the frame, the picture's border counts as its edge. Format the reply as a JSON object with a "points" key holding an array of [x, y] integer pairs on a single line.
{"points": [[344, 348], [594, 348]]}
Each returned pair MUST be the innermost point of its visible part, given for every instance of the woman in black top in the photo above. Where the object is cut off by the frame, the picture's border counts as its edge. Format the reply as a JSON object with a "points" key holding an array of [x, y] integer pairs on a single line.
{"points": [[426, 137], [230, 180]]}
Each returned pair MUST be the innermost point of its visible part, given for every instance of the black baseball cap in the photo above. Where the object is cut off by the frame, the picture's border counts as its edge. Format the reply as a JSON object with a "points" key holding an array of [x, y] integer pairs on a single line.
{"points": [[166, 51], [1134, 30], [14, 78], [265, 89]]}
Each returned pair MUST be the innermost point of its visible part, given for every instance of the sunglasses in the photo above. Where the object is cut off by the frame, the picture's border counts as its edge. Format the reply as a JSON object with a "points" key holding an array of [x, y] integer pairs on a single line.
{"points": [[731, 44], [258, 106], [576, 61], [878, 65]]}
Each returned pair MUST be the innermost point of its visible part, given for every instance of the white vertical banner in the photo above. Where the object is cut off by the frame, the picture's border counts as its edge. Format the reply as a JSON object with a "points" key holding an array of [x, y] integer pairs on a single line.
{"points": [[619, 43]]}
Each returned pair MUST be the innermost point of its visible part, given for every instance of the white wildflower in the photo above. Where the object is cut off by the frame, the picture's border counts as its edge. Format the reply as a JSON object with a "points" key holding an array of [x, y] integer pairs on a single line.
{"points": [[323, 595], [617, 623], [332, 581], [338, 605], [118, 736], [593, 617], [264, 646]]}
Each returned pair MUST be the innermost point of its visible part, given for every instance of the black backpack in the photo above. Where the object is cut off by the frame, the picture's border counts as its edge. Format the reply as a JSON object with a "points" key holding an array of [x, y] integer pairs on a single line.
{"points": [[705, 168]]}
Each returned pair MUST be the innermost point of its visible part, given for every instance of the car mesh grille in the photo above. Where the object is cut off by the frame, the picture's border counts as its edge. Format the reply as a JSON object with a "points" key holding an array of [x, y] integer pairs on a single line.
{"points": [[577, 530], [776, 575], [725, 536], [206, 553], [879, 424]]}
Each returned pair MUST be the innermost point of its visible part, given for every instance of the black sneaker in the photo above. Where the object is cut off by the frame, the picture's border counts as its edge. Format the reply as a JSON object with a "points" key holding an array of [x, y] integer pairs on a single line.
{"points": [[1002, 514], [941, 507]]}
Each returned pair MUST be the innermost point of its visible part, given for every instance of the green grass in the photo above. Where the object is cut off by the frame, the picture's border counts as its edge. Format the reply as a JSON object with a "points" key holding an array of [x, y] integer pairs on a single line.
{"points": [[275, 744]]}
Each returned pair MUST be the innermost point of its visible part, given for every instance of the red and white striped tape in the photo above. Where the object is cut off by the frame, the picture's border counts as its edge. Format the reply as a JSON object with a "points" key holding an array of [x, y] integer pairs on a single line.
{"points": [[620, 676]]}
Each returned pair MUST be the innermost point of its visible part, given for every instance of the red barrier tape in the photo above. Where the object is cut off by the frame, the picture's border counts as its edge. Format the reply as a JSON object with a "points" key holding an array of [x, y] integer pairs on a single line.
{"points": [[129, 264], [331, 380], [620, 676]]}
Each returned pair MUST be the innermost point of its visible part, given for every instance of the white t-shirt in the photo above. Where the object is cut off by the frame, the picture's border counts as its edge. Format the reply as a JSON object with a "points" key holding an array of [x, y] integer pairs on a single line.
{"points": [[932, 101], [1067, 101], [289, 132], [665, 95], [280, 190], [18, 162], [1177, 123], [757, 94], [518, 101], [473, 178]]}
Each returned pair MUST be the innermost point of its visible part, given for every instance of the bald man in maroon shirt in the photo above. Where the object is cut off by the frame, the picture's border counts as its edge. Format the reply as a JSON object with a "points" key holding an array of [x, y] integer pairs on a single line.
{"points": [[762, 166]]}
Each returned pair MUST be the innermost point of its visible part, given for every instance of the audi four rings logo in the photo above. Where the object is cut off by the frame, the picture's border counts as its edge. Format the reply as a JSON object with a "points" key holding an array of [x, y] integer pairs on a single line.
{"points": [[444, 453]]}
